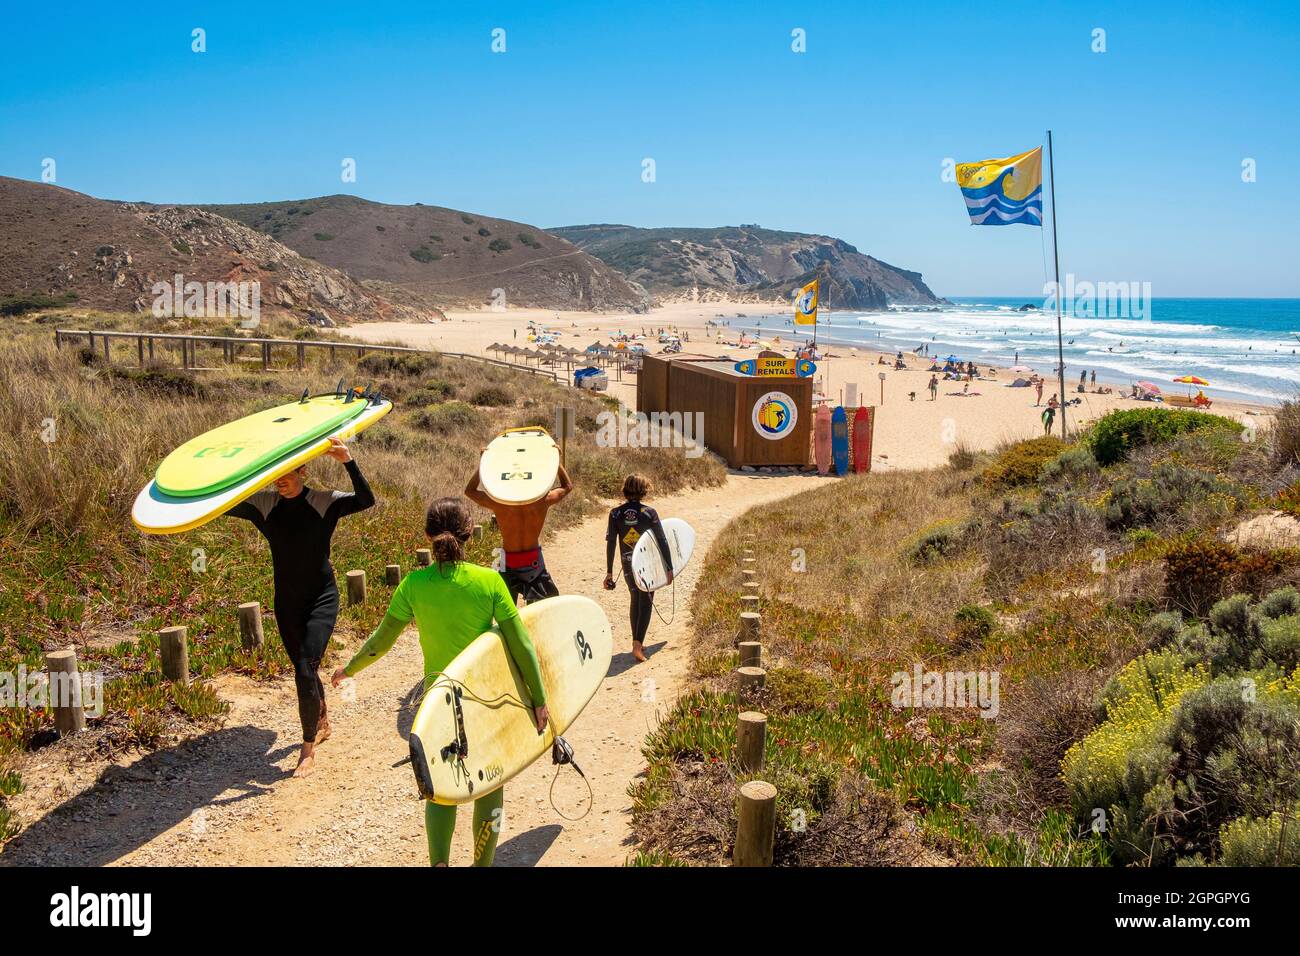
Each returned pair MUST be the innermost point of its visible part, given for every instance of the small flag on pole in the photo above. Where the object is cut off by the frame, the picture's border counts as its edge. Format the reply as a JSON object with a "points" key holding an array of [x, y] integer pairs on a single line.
{"points": [[805, 305], [999, 192]]}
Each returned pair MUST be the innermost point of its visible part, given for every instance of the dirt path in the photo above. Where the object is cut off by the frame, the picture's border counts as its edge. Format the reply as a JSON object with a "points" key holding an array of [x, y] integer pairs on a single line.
{"points": [[226, 798]]}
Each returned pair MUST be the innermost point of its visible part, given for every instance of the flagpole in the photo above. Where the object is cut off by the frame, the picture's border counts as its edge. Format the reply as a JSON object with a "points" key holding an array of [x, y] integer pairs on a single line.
{"points": [[1056, 260]]}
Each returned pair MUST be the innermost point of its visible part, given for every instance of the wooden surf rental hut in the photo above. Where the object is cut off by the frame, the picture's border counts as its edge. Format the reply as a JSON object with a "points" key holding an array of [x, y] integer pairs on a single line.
{"points": [[748, 419]]}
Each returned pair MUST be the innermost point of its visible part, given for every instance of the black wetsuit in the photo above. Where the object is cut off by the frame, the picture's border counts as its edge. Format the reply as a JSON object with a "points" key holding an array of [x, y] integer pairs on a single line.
{"points": [[306, 595], [627, 523]]}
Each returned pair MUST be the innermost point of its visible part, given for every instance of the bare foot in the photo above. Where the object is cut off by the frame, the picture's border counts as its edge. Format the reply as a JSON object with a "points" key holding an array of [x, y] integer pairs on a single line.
{"points": [[322, 731], [306, 762], [638, 652]]}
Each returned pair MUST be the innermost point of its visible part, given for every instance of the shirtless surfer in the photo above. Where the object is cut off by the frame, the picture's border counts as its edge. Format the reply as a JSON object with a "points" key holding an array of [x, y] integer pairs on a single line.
{"points": [[521, 531]]}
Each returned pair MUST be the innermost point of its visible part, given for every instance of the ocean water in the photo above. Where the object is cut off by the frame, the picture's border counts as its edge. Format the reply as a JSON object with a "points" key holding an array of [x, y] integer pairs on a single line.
{"points": [[1245, 348]]}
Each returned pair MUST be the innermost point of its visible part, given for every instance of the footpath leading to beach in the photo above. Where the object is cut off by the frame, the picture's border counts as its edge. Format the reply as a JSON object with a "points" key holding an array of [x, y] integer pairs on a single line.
{"points": [[225, 798]]}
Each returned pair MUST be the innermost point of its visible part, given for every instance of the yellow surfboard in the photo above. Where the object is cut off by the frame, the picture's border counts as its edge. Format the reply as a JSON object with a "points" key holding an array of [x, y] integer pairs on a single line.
{"points": [[519, 466], [230, 453], [155, 512], [474, 729]]}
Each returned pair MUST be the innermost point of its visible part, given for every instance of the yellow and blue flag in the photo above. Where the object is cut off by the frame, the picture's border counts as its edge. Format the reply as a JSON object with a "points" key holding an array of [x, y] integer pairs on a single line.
{"points": [[999, 192], [805, 305]]}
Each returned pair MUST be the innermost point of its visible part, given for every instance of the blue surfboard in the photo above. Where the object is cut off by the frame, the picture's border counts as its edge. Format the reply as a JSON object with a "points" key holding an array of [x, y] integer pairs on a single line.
{"points": [[840, 441]]}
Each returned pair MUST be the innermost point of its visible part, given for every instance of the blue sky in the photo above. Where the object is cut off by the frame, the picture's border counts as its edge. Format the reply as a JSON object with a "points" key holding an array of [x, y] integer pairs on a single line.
{"points": [[847, 139]]}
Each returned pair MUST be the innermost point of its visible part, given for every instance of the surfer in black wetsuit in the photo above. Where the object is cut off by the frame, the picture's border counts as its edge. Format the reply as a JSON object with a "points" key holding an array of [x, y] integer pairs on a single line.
{"points": [[298, 522], [627, 523]]}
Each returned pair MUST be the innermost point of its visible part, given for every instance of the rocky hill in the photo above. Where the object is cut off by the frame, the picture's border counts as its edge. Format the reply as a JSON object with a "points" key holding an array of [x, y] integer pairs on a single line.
{"points": [[108, 255], [442, 256], [749, 263]]}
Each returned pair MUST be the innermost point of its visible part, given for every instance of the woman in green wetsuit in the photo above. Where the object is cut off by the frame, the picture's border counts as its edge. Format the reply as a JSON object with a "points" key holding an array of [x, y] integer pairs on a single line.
{"points": [[453, 602]]}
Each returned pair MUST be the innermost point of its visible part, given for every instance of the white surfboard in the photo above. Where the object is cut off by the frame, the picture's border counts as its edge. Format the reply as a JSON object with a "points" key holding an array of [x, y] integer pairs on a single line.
{"points": [[519, 466], [648, 569], [156, 512], [474, 729]]}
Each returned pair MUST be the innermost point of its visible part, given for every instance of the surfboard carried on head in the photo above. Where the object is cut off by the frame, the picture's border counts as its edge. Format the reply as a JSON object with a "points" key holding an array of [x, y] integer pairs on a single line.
{"points": [[157, 512], [649, 569], [519, 466], [474, 729]]}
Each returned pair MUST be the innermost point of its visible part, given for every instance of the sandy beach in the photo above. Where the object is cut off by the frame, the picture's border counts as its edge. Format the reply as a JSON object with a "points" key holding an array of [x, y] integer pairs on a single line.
{"points": [[911, 430]]}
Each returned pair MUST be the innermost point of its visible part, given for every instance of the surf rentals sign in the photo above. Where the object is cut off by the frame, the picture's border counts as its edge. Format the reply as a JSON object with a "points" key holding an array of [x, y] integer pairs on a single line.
{"points": [[776, 367]]}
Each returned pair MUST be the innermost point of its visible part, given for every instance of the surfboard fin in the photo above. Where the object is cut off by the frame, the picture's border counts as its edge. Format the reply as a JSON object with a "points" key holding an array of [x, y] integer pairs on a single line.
{"points": [[303, 400], [423, 781], [352, 393], [338, 389]]}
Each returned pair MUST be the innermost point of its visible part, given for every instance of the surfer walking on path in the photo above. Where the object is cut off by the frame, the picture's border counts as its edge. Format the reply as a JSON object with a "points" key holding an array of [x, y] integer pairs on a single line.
{"points": [[521, 533], [627, 523], [452, 602], [298, 523]]}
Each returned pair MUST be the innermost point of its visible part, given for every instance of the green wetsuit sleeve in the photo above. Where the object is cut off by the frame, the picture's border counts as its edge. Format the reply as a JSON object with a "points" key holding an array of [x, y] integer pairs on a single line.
{"points": [[519, 643], [525, 657], [379, 643]]}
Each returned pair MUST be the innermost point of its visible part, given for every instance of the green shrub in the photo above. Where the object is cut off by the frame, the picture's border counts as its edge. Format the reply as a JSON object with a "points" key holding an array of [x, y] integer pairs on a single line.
{"points": [[180, 245], [23, 302], [446, 418], [1279, 642], [1262, 841], [1280, 603], [974, 624], [1022, 462], [399, 363], [500, 245], [529, 241], [1074, 465], [1169, 493], [492, 396], [425, 254], [939, 540], [323, 236], [482, 231], [1117, 434]]}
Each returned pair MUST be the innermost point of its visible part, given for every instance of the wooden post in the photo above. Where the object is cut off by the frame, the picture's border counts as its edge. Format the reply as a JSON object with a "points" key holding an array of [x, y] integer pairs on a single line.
{"points": [[749, 574], [302, 354], [755, 824], [266, 356], [750, 626], [423, 557], [58, 339], [62, 669], [751, 739], [250, 625], [185, 353], [748, 562], [478, 532], [356, 587], [751, 654], [392, 575], [108, 357], [749, 681], [90, 340], [175, 653], [748, 604], [151, 348], [139, 350]]}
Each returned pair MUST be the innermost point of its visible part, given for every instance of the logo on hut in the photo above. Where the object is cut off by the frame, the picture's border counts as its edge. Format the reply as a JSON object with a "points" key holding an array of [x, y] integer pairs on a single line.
{"points": [[775, 415]]}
